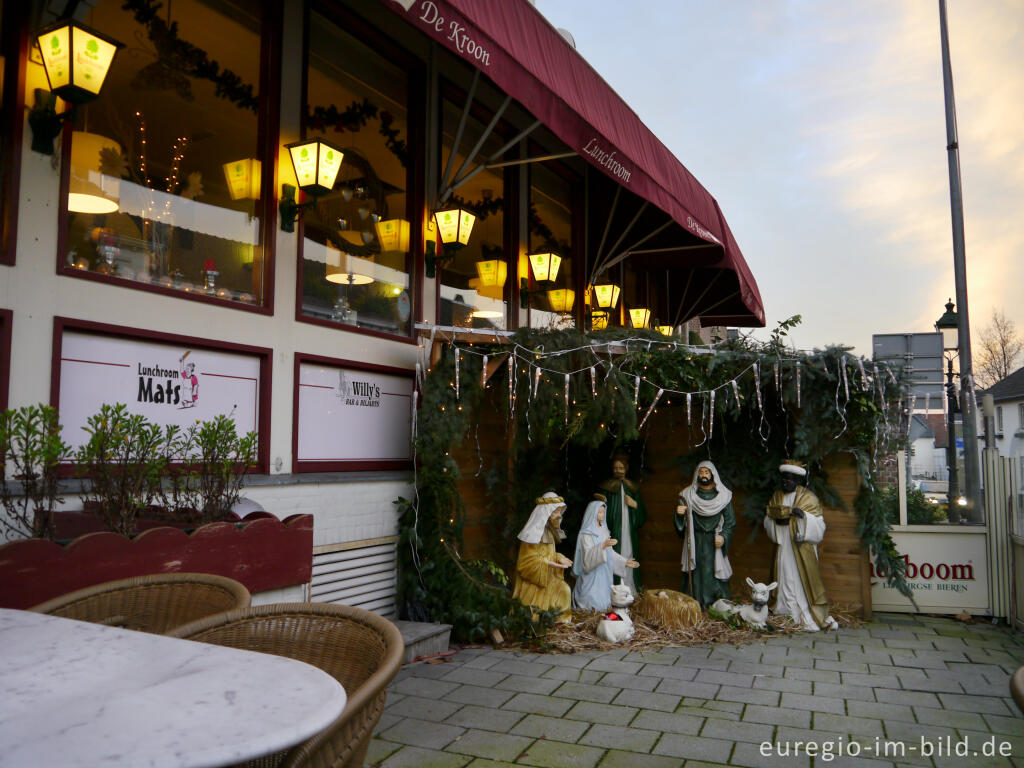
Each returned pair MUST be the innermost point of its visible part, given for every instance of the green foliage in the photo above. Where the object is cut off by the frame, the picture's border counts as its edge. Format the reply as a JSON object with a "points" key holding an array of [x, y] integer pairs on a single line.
{"points": [[566, 449], [920, 509], [31, 450]]}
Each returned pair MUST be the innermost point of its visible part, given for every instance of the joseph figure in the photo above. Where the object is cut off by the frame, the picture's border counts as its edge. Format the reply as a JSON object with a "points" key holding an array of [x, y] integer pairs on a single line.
{"points": [[705, 521], [626, 513], [796, 524]]}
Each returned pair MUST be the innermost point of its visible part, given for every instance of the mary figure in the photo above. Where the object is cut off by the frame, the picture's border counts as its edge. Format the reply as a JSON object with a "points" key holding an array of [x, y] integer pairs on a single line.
{"points": [[596, 562]]}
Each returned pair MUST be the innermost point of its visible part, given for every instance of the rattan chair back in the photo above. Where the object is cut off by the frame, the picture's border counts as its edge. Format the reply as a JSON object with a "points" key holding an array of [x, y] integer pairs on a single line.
{"points": [[360, 649], [156, 603]]}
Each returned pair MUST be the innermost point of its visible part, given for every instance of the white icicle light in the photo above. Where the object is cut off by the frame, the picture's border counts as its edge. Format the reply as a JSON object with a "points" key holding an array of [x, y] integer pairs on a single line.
{"points": [[757, 386], [415, 400], [736, 392], [483, 374], [778, 388], [689, 407], [711, 416], [650, 410], [567, 398], [593, 381], [636, 391], [846, 381], [798, 384], [536, 381], [863, 375], [458, 355]]}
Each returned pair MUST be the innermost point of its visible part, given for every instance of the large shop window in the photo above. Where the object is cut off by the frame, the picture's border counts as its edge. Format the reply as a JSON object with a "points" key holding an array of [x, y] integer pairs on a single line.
{"points": [[550, 225], [473, 283], [165, 168], [356, 263]]}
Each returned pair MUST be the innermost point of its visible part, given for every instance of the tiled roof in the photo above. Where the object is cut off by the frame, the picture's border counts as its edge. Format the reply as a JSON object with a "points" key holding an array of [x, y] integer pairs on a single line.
{"points": [[1010, 388]]}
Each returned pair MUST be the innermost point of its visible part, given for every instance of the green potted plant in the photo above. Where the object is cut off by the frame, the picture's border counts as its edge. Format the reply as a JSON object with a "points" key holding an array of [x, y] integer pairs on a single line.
{"points": [[31, 450]]}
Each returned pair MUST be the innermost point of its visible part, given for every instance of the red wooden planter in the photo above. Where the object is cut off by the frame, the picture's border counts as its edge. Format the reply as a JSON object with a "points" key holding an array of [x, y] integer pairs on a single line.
{"points": [[263, 553]]}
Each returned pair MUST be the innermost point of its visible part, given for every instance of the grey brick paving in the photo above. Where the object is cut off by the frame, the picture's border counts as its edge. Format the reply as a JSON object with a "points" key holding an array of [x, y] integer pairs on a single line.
{"points": [[900, 678]]}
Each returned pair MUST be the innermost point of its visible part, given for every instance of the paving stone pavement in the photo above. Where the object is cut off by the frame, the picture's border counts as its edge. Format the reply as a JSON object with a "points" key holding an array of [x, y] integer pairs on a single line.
{"points": [[899, 691]]}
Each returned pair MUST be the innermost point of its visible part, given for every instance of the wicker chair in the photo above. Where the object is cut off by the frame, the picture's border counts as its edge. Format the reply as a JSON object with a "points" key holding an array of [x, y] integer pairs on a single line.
{"points": [[156, 603], [359, 649]]}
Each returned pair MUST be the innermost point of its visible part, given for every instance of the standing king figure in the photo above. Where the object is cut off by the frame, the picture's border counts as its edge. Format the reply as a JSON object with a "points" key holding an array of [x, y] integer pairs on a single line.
{"points": [[705, 521]]}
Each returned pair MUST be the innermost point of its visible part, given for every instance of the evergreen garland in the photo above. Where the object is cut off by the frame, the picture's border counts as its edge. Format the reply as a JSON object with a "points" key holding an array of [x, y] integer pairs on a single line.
{"points": [[555, 447]]}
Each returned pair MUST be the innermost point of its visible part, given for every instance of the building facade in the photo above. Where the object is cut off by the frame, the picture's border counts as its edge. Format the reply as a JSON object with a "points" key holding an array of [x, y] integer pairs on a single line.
{"points": [[145, 257]]}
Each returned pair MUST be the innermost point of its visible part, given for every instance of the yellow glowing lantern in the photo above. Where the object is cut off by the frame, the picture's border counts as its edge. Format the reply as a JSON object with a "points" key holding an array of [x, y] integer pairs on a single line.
{"points": [[90, 190], [640, 317], [545, 266], [393, 235], [316, 163], [346, 269], [599, 321], [664, 330], [607, 295], [76, 60], [492, 272], [561, 300], [243, 178], [454, 226]]}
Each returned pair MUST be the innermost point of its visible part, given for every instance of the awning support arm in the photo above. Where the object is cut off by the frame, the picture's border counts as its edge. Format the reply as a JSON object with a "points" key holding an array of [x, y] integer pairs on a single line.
{"points": [[671, 249], [626, 252], [483, 137], [508, 145], [604, 236], [718, 303], [682, 300], [710, 285], [459, 131], [606, 264], [541, 159]]}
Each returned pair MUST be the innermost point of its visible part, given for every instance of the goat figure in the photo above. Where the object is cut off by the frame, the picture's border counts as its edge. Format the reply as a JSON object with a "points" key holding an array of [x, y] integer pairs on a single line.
{"points": [[755, 614]]}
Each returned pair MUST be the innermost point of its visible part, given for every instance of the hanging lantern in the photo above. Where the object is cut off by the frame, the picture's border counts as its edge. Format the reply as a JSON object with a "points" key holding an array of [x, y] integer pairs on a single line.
{"points": [[561, 300], [640, 317], [599, 321], [393, 235], [454, 226], [545, 266], [316, 163], [243, 179], [607, 295], [664, 330], [76, 60]]}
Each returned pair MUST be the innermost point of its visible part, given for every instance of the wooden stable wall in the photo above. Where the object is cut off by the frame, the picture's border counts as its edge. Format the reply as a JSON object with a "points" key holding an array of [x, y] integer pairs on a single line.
{"points": [[844, 565]]}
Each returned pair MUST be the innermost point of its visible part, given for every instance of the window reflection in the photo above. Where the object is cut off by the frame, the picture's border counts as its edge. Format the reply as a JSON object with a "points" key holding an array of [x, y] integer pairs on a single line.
{"points": [[164, 169], [356, 250], [550, 225], [473, 282]]}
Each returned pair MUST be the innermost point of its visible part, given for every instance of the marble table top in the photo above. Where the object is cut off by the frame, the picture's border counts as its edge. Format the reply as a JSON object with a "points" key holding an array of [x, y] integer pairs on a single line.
{"points": [[74, 693]]}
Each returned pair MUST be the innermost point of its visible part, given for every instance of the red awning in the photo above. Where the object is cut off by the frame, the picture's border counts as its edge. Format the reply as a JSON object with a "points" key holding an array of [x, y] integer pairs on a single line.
{"points": [[527, 58]]}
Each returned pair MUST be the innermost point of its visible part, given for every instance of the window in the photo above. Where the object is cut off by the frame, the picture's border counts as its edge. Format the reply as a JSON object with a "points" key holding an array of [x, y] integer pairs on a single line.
{"points": [[999, 418], [356, 257], [11, 85], [1020, 417], [474, 283], [550, 225], [164, 180]]}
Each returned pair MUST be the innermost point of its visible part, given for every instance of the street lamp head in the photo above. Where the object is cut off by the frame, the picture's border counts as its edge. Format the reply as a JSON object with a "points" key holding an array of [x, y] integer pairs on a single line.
{"points": [[948, 325]]}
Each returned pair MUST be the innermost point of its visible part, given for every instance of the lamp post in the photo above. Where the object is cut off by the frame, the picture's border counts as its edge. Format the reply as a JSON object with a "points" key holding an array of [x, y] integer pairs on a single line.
{"points": [[949, 327]]}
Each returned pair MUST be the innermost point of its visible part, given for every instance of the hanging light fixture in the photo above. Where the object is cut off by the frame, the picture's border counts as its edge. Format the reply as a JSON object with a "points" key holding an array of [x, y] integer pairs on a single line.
{"points": [[490, 279], [664, 330], [90, 190], [76, 60], [561, 300], [599, 321], [640, 317], [346, 269], [393, 235], [316, 163], [243, 178], [545, 266], [607, 295]]}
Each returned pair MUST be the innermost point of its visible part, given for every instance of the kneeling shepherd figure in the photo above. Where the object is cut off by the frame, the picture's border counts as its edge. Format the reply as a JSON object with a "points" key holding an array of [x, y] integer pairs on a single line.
{"points": [[540, 570], [705, 521]]}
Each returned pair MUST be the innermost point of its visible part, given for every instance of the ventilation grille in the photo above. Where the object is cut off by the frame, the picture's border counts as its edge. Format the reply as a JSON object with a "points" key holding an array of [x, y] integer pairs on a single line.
{"points": [[359, 573]]}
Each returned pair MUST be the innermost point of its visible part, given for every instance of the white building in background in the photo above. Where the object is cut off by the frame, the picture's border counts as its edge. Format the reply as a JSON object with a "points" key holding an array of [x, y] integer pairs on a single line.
{"points": [[1008, 396]]}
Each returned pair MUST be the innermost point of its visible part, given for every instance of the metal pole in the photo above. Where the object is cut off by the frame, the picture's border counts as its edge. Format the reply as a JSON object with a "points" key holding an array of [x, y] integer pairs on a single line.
{"points": [[953, 490], [972, 486]]}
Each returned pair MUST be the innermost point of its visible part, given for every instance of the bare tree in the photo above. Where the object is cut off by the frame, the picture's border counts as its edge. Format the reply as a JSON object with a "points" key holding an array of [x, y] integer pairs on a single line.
{"points": [[1000, 347]]}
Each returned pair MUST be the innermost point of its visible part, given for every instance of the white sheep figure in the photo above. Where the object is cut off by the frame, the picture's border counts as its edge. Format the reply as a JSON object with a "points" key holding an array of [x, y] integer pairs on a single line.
{"points": [[622, 630], [755, 615]]}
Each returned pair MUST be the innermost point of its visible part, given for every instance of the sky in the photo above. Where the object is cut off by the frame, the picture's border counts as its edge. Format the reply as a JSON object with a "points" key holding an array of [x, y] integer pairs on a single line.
{"points": [[819, 126]]}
